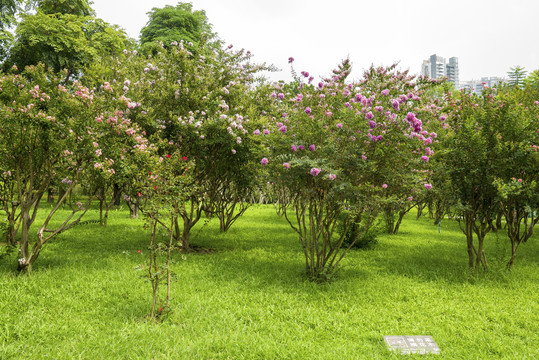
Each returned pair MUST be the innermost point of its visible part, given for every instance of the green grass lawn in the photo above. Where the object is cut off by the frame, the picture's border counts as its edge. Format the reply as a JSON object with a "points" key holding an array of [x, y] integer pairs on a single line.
{"points": [[249, 299]]}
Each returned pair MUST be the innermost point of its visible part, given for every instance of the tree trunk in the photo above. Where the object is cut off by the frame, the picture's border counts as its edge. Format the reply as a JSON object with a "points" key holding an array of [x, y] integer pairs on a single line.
{"points": [[50, 195], [61, 192], [116, 195], [419, 210]]}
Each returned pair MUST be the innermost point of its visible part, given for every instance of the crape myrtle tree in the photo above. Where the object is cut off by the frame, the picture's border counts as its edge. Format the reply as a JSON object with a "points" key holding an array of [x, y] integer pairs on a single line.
{"points": [[517, 178], [44, 137], [328, 156], [52, 131], [488, 164], [467, 161], [198, 106], [407, 190]]}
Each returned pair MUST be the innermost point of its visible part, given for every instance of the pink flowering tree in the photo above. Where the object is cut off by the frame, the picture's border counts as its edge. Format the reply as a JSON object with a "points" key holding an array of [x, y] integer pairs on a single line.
{"points": [[202, 107], [334, 151], [44, 137]]}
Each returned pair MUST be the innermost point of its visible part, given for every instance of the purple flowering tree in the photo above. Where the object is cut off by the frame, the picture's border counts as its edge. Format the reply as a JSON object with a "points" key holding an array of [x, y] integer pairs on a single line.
{"points": [[335, 149]]}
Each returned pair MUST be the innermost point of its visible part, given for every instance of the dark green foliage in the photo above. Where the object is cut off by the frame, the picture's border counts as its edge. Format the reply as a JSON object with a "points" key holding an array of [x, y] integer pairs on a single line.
{"points": [[174, 24], [72, 7], [64, 41]]}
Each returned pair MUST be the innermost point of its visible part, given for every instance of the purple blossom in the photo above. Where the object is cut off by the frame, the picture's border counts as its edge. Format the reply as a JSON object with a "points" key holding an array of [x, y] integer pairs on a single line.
{"points": [[372, 124], [320, 85], [424, 158], [428, 186], [379, 108], [339, 125], [332, 177], [301, 147], [307, 110], [280, 96], [315, 171], [283, 129], [434, 135], [427, 141], [273, 95], [369, 115], [294, 148], [395, 104], [264, 161], [385, 92], [312, 147], [266, 132], [290, 60], [286, 165], [256, 132], [442, 118]]}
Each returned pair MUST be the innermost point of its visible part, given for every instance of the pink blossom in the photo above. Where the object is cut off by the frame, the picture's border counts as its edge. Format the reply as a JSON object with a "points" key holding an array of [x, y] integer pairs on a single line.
{"points": [[339, 125], [293, 148], [372, 124], [307, 110], [283, 129], [301, 147], [256, 132], [266, 132], [332, 177], [384, 186], [264, 161], [233, 151], [286, 165], [280, 96], [385, 92], [290, 60], [312, 147], [369, 115], [315, 171], [410, 198], [425, 158], [428, 186]]}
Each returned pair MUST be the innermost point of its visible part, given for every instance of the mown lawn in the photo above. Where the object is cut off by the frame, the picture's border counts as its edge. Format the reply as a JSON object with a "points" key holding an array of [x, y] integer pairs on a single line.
{"points": [[248, 298]]}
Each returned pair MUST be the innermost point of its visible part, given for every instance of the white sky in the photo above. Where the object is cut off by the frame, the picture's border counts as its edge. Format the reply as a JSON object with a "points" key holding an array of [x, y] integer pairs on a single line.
{"points": [[488, 36]]}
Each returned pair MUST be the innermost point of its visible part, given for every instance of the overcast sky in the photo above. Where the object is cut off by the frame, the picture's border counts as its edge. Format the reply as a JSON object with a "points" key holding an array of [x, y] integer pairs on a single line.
{"points": [[487, 36]]}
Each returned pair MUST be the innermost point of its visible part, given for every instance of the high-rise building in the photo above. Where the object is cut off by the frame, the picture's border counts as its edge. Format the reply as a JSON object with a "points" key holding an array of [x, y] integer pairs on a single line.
{"points": [[452, 71], [436, 67]]}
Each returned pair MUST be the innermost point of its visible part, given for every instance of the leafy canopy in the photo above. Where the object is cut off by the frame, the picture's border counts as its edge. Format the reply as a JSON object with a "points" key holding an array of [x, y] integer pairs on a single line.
{"points": [[175, 23]]}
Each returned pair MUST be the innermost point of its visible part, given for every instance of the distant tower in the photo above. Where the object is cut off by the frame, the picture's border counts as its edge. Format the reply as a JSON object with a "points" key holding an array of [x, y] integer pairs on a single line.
{"points": [[452, 71], [436, 67]]}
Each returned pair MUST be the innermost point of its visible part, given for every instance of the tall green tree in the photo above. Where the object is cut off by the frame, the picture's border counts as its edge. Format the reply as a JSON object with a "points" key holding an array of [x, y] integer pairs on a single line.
{"points": [[174, 24], [72, 7], [64, 41]]}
